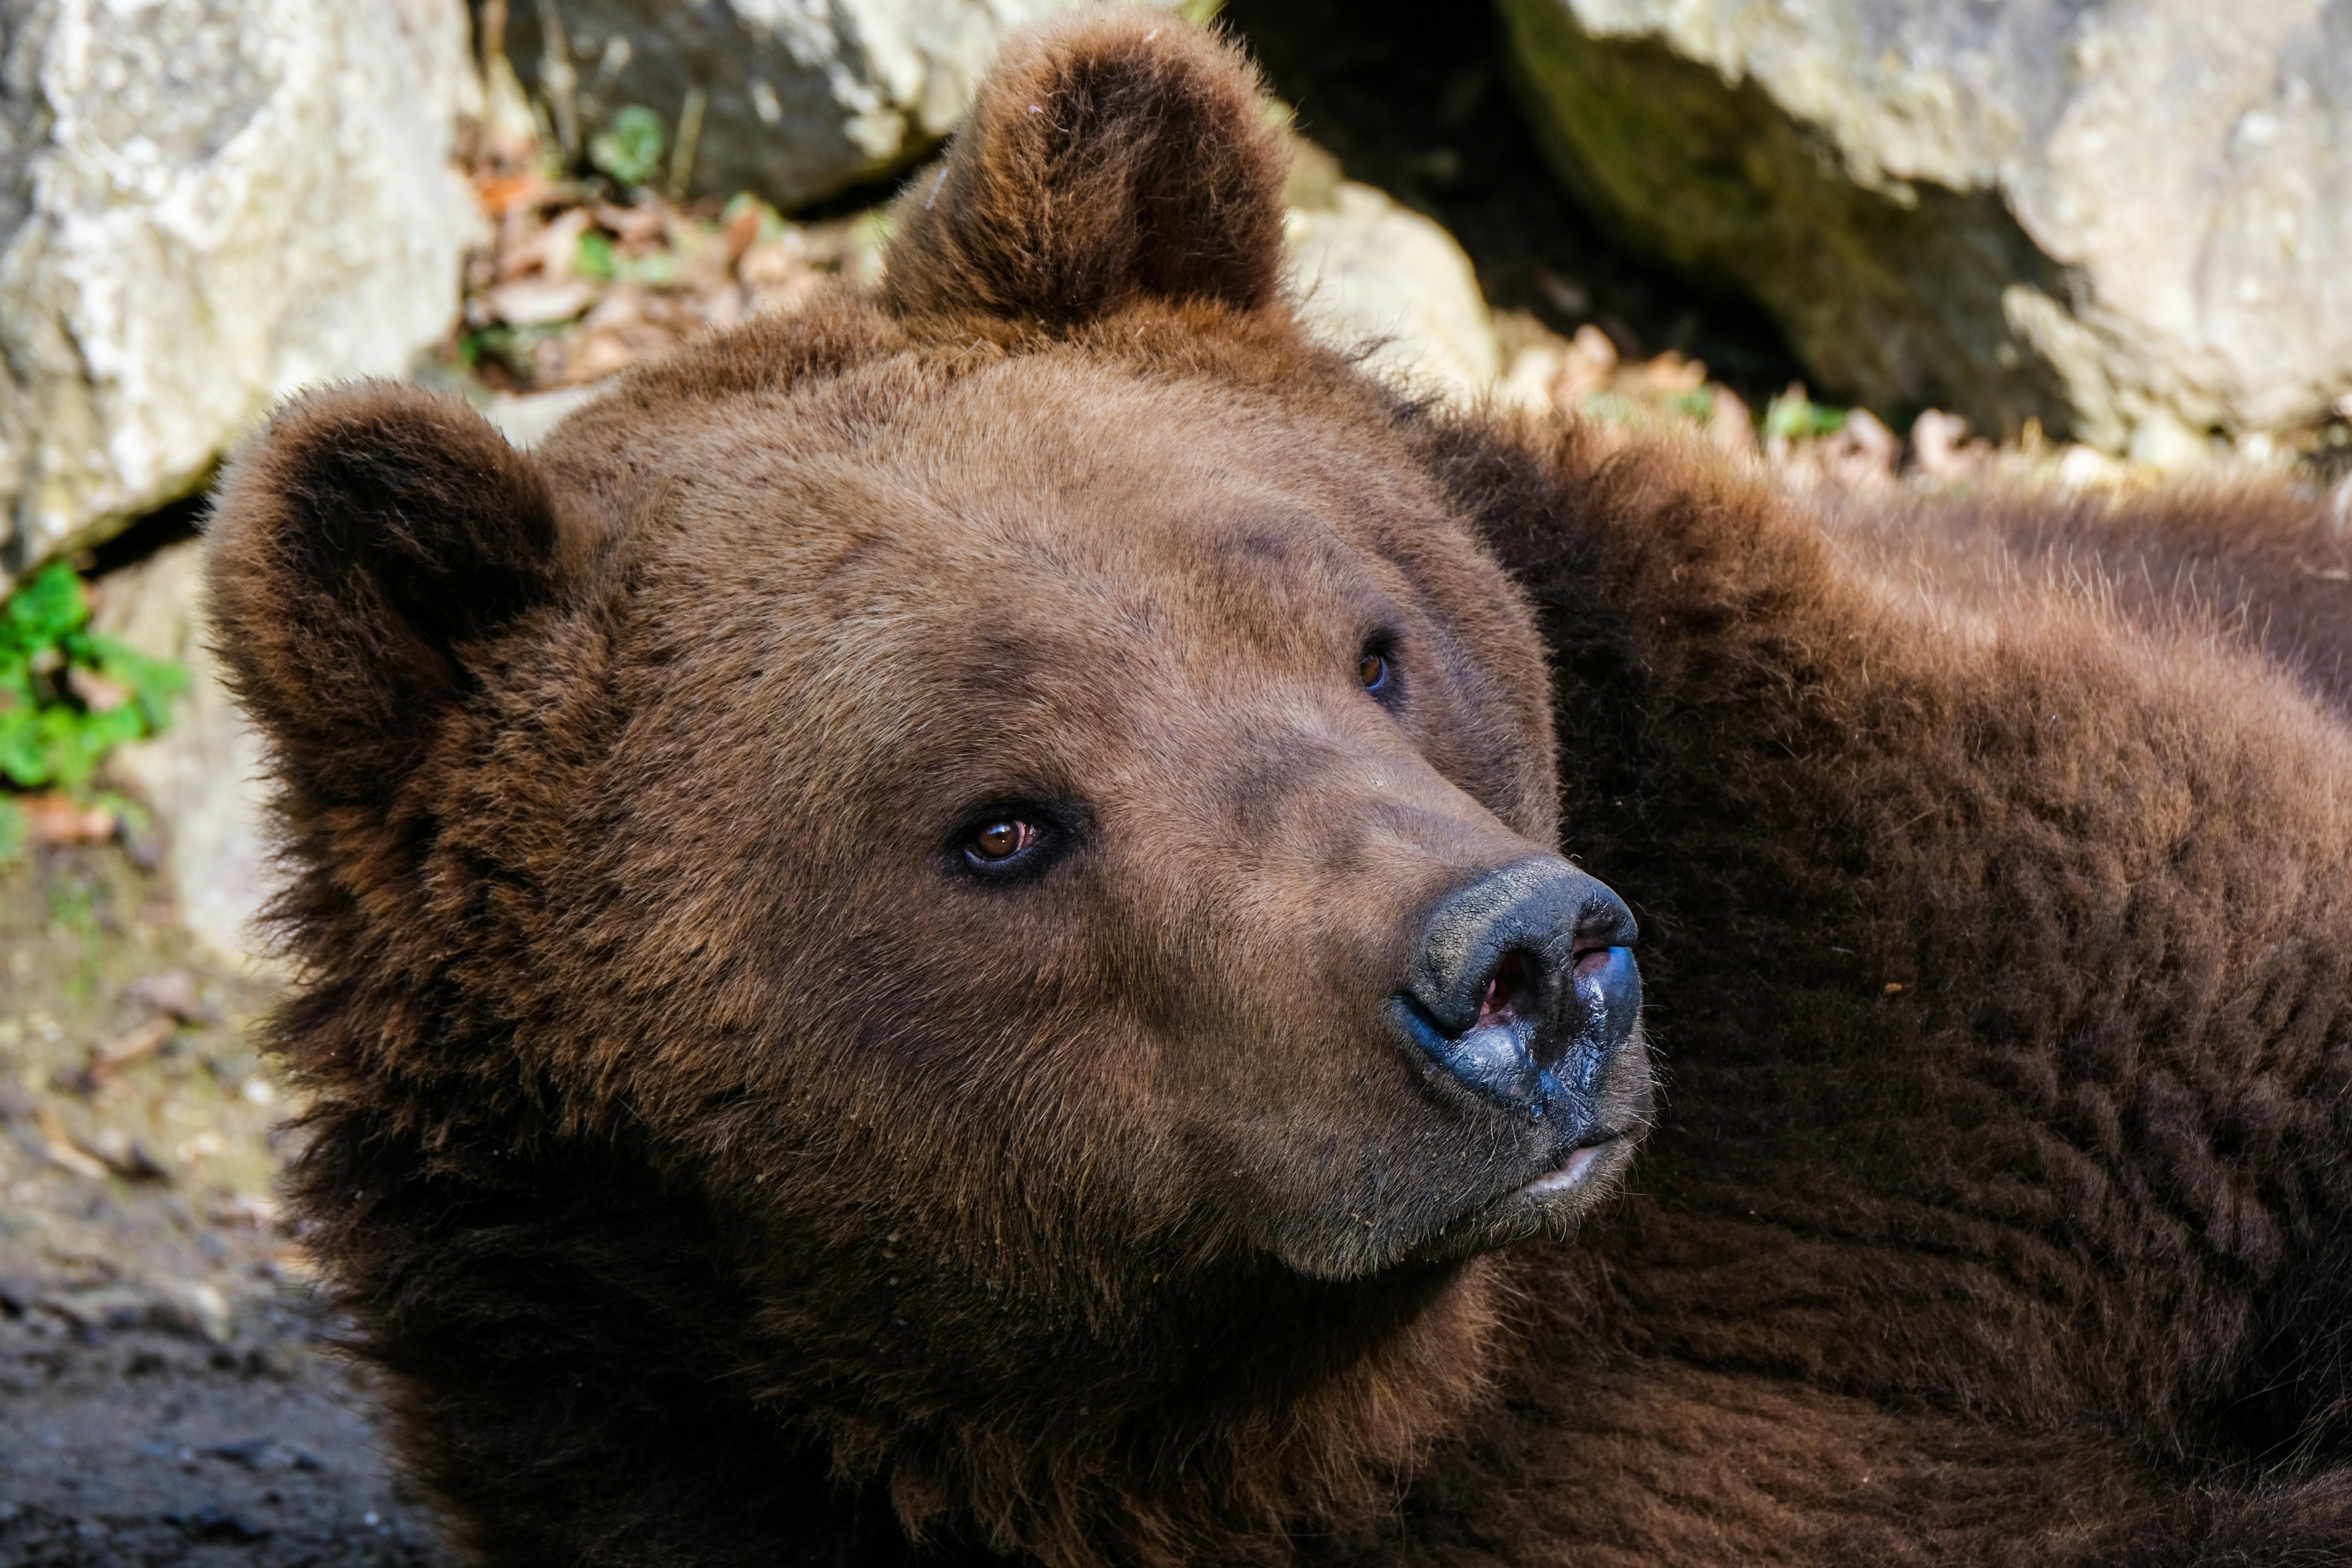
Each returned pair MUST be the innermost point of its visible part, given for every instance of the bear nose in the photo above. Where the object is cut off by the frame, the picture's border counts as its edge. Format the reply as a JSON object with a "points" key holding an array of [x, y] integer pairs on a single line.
{"points": [[1524, 983]]}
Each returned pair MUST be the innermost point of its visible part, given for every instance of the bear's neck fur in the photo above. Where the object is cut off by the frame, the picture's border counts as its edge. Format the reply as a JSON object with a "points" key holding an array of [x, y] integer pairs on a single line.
{"points": [[1260, 1410], [1221, 1423]]}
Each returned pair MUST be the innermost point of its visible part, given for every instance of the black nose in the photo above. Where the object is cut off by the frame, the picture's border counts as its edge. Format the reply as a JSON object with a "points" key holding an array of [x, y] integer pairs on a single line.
{"points": [[1525, 983]]}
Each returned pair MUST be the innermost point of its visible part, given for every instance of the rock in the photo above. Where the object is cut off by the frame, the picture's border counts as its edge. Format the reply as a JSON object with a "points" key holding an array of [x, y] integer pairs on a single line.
{"points": [[793, 101], [205, 204], [1370, 274], [202, 776], [171, 993], [207, 1308], [527, 419], [2124, 219]]}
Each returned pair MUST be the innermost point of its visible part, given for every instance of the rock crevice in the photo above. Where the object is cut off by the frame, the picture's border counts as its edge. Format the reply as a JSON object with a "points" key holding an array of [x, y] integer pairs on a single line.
{"points": [[2126, 219]]}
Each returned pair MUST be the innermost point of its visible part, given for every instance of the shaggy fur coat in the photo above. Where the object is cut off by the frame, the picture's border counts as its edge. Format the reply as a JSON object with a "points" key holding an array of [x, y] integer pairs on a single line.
{"points": [[721, 1173]]}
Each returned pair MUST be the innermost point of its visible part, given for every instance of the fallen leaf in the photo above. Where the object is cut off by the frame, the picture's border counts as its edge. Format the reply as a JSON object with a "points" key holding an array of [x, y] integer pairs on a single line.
{"points": [[56, 818], [541, 301], [1729, 426], [1590, 361], [172, 991], [551, 249], [61, 1149], [1941, 445], [108, 1061], [500, 193], [123, 1155]]}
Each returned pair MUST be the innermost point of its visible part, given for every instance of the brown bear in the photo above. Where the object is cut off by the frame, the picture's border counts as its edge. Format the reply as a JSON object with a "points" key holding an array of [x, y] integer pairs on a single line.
{"points": [[984, 925]]}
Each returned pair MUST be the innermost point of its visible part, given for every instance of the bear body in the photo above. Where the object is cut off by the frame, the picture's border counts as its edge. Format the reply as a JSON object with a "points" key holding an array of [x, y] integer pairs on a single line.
{"points": [[868, 916]]}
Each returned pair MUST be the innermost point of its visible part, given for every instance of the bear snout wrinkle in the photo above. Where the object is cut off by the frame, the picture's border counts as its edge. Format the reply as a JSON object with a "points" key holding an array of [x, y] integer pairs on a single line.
{"points": [[1523, 985]]}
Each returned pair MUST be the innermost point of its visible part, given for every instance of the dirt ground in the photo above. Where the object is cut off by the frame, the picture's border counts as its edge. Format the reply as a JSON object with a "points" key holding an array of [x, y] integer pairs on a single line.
{"points": [[169, 1390]]}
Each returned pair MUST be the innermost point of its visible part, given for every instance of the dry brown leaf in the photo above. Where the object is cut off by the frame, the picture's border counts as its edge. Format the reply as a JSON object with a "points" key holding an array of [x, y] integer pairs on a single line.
{"points": [[62, 1151], [541, 301], [1589, 360], [60, 819], [170, 991], [112, 1058], [1940, 444]]}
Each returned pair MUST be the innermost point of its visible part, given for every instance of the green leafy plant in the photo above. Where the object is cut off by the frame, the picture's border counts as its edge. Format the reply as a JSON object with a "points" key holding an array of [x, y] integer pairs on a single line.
{"points": [[630, 149], [597, 260], [1609, 407], [511, 347], [67, 696], [1798, 418], [770, 224]]}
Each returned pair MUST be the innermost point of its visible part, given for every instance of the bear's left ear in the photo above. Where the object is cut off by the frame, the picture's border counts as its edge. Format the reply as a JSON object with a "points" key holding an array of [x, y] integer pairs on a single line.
{"points": [[1108, 159], [366, 551]]}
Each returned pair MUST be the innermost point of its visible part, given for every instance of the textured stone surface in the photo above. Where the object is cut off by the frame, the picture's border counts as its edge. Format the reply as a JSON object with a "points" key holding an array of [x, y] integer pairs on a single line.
{"points": [[798, 101], [202, 777], [205, 204], [1370, 274], [529, 419], [2129, 218]]}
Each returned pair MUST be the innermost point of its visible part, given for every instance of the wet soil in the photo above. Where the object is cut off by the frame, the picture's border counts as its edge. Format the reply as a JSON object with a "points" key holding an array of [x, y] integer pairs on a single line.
{"points": [[170, 1392]]}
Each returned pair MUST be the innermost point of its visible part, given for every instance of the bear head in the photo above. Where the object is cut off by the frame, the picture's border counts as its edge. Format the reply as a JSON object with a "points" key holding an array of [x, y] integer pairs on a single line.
{"points": [[1020, 806]]}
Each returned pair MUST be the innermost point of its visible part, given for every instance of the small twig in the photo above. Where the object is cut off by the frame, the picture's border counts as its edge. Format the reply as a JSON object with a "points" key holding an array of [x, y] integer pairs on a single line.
{"points": [[690, 135], [109, 1060], [493, 40], [62, 1151], [561, 81]]}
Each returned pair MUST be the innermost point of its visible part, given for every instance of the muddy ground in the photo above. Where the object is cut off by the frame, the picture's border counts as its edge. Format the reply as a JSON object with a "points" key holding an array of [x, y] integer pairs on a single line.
{"points": [[169, 1389]]}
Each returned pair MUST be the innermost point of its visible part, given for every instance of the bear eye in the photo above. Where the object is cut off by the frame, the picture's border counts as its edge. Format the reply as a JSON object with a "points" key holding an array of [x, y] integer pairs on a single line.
{"points": [[1001, 840], [1372, 670]]}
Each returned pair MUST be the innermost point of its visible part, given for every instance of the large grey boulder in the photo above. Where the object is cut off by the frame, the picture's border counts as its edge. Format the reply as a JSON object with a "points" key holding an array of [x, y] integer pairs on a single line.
{"points": [[791, 100], [202, 776], [1373, 278], [205, 204], [2131, 219]]}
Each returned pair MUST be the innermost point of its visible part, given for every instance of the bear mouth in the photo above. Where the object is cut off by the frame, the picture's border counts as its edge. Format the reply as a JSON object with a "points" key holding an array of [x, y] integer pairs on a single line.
{"points": [[1586, 1164], [1572, 1181]]}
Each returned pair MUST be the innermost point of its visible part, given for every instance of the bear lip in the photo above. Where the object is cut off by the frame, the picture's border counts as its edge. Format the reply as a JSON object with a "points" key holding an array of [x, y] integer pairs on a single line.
{"points": [[1573, 1171]]}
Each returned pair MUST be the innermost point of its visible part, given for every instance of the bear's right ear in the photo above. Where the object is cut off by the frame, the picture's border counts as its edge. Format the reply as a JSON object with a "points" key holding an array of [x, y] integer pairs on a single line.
{"points": [[361, 549], [1108, 159]]}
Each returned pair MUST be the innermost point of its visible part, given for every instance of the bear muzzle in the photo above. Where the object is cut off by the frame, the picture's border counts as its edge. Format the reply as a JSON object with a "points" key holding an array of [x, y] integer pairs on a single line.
{"points": [[1524, 994]]}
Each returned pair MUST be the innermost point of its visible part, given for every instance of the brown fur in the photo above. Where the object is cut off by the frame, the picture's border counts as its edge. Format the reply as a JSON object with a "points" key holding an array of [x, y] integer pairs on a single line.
{"points": [[723, 1176], [1106, 164]]}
